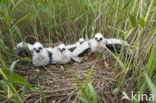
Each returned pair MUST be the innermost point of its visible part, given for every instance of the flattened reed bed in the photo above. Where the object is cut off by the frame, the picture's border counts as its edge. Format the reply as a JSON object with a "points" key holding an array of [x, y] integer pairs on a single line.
{"points": [[59, 85]]}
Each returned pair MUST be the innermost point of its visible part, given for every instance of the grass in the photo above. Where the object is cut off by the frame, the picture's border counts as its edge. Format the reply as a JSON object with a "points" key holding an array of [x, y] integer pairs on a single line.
{"points": [[50, 21]]}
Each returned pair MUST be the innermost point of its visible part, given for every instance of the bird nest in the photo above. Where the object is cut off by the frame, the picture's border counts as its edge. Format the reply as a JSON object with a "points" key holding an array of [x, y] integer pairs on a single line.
{"points": [[59, 86]]}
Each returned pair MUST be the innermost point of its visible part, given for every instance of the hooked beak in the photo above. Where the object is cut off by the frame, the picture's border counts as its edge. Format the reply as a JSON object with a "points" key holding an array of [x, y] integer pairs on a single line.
{"points": [[98, 40], [37, 51], [81, 42], [61, 50]]}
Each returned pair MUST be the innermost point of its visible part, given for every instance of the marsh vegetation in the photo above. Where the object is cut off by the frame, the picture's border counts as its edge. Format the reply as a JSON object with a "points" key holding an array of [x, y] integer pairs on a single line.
{"points": [[53, 21]]}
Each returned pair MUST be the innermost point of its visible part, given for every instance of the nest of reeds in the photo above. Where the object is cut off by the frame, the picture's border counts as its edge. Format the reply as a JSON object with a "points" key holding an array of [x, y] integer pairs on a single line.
{"points": [[59, 86]]}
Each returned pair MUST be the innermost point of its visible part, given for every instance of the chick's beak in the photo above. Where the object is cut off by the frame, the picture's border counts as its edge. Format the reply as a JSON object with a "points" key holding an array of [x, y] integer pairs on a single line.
{"points": [[37, 51], [98, 40], [61, 50]]}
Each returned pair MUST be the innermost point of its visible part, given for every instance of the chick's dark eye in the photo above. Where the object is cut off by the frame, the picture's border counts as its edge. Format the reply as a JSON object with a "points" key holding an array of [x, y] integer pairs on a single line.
{"points": [[63, 49], [96, 38], [40, 48], [100, 38]]}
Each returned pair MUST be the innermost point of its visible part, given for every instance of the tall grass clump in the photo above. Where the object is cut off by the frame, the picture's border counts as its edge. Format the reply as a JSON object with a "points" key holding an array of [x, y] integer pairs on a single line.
{"points": [[51, 21], [11, 81]]}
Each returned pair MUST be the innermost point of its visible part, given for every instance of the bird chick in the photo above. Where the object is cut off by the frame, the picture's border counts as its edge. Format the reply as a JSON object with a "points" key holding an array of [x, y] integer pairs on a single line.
{"points": [[80, 41], [79, 52], [97, 44], [50, 51], [61, 54], [73, 46], [116, 41], [40, 55], [24, 49], [115, 45]]}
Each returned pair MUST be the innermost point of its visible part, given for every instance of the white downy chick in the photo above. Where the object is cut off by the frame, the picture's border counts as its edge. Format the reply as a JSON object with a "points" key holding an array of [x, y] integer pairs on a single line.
{"points": [[73, 46], [79, 52], [116, 41], [40, 55], [97, 44], [115, 45], [61, 55], [81, 41], [22, 48]]}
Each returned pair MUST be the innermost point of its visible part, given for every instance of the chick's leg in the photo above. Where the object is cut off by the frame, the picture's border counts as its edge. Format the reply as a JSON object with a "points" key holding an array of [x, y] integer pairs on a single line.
{"points": [[75, 64], [62, 68], [105, 63], [37, 71], [86, 58]]}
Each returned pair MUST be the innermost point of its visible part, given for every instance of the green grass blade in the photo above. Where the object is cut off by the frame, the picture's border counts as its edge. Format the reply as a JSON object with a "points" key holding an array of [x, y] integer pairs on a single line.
{"points": [[151, 86], [15, 91], [89, 74], [43, 95], [26, 48], [118, 60], [9, 99], [152, 60], [15, 77], [23, 17], [3, 45], [83, 100], [90, 4], [132, 19], [2, 62], [13, 66], [93, 93], [79, 84]]}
